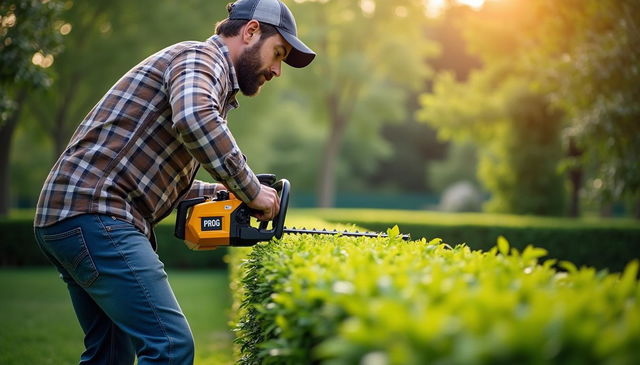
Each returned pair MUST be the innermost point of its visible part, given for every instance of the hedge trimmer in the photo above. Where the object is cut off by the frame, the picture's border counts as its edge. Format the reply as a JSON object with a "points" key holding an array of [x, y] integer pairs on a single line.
{"points": [[205, 223]]}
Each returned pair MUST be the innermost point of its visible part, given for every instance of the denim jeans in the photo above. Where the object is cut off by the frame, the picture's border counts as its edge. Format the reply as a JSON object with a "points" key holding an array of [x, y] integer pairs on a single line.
{"points": [[119, 291]]}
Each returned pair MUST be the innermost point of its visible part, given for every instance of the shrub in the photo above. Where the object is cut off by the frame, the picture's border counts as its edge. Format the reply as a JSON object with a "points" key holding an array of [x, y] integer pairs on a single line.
{"points": [[603, 244], [338, 300], [18, 247]]}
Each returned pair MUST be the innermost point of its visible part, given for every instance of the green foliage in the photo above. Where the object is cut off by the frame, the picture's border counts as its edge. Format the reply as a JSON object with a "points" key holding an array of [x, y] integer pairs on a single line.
{"points": [[590, 55], [521, 166], [27, 28], [362, 57], [581, 57], [459, 165], [414, 148], [602, 243], [18, 247], [361, 79], [517, 133], [348, 301], [106, 38]]}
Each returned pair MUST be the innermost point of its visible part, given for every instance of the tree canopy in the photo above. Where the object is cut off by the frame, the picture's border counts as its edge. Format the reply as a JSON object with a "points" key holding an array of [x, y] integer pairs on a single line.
{"points": [[577, 58], [545, 91]]}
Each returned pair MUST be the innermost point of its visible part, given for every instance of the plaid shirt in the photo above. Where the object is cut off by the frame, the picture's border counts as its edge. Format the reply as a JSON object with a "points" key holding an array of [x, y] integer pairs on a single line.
{"points": [[136, 154]]}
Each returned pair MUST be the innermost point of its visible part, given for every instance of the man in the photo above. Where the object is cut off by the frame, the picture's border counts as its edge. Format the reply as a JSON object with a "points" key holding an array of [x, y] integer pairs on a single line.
{"points": [[134, 157]]}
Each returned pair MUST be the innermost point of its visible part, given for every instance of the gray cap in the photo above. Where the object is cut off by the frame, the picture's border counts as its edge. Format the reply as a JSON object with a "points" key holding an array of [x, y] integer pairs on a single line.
{"points": [[276, 13]]}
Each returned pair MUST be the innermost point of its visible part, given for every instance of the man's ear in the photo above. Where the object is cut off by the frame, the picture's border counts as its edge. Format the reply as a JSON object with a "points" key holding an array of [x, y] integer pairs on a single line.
{"points": [[251, 31]]}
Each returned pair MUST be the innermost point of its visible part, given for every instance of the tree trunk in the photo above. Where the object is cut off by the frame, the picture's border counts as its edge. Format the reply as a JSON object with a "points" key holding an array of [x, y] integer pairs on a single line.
{"points": [[327, 178], [6, 134], [60, 127], [575, 178]]}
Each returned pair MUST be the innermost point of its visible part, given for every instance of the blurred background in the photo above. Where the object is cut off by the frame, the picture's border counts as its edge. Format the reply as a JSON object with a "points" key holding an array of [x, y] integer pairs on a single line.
{"points": [[507, 106]]}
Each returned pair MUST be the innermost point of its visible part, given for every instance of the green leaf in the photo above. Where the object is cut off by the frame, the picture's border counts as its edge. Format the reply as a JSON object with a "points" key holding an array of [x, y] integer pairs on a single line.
{"points": [[503, 245], [531, 253], [569, 266], [393, 232]]}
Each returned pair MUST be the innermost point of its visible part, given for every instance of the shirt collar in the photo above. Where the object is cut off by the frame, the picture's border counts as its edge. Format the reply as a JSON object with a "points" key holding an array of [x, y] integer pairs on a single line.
{"points": [[233, 78]]}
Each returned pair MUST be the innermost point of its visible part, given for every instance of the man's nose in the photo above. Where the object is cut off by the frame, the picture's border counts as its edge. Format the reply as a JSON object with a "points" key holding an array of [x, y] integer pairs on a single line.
{"points": [[276, 69]]}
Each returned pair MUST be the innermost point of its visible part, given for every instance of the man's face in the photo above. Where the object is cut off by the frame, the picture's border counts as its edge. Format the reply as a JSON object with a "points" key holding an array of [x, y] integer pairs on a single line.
{"points": [[259, 62]]}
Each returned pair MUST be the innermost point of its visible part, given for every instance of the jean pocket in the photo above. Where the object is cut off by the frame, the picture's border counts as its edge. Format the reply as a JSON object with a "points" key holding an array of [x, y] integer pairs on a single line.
{"points": [[70, 250], [115, 224]]}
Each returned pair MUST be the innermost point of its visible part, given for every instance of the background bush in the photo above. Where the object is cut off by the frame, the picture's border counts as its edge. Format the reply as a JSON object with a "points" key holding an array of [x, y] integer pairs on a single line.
{"points": [[386, 301], [601, 243], [18, 247]]}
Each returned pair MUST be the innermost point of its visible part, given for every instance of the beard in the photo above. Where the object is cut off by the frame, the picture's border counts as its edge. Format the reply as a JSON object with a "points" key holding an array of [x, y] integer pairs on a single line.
{"points": [[248, 70]]}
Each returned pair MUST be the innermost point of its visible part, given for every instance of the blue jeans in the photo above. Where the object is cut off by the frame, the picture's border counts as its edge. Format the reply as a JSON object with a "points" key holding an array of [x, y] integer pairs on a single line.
{"points": [[119, 291]]}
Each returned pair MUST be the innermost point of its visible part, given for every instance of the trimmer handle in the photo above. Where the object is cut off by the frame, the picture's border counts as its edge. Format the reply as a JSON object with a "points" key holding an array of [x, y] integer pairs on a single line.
{"points": [[181, 218], [283, 187]]}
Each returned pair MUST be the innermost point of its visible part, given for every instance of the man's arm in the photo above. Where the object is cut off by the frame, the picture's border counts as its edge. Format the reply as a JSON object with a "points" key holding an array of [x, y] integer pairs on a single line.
{"points": [[194, 86], [202, 188]]}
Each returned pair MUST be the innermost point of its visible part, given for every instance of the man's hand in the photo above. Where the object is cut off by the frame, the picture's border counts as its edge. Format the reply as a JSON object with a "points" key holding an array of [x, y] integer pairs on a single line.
{"points": [[266, 204]]}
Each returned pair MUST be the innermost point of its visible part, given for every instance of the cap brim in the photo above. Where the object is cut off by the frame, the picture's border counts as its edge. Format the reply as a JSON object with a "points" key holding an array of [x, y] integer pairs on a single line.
{"points": [[300, 55]]}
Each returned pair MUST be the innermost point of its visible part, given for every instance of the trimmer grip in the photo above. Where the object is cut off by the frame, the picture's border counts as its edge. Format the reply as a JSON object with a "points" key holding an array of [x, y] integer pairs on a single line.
{"points": [[283, 186], [266, 179], [181, 219], [250, 235]]}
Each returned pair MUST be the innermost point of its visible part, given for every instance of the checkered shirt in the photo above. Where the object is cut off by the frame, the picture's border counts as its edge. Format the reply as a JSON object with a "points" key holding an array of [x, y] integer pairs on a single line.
{"points": [[136, 154]]}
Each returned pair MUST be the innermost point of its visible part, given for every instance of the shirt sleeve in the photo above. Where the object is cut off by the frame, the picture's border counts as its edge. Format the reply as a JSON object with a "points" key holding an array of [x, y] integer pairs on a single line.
{"points": [[202, 188], [196, 94]]}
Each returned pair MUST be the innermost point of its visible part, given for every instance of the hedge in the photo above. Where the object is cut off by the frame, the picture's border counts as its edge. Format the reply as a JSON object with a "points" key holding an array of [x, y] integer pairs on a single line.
{"points": [[386, 301], [601, 243], [18, 247]]}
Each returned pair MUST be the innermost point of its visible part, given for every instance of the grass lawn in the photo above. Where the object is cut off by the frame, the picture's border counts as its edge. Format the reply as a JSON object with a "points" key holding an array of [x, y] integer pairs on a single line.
{"points": [[38, 325]]}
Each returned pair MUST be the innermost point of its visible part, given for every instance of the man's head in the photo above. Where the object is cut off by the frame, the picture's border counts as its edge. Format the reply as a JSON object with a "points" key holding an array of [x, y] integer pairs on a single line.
{"points": [[266, 35]]}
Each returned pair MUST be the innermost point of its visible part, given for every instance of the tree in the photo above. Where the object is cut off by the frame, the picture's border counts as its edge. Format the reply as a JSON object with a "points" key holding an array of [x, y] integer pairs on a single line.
{"points": [[582, 57], [367, 65], [29, 40], [591, 59], [107, 37], [371, 54], [516, 131], [103, 39]]}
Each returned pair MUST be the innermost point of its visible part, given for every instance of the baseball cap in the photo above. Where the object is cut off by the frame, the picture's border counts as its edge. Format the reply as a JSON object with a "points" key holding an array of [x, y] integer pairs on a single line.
{"points": [[275, 13]]}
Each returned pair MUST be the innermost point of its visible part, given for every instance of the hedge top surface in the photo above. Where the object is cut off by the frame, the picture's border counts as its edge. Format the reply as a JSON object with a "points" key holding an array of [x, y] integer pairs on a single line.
{"points": [[392, 217], [343, 301]]}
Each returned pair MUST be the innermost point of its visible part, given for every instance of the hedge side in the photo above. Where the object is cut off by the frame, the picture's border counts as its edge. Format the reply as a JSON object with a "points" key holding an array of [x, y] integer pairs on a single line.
{"points": [[18, 248], [385, 301], [609, 244]]}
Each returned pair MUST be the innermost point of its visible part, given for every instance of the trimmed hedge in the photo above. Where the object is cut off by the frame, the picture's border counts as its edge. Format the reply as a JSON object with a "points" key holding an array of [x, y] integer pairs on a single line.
{"points": [[18, 247], [338, 300], [602, 243]]}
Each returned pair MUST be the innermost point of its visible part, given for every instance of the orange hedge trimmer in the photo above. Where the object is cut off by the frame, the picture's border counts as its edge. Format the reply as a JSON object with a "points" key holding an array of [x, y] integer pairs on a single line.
{"points": [[206, 223]]}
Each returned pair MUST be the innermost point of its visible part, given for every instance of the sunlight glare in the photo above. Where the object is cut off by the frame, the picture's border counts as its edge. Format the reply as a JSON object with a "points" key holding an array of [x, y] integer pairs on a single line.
{"points": [[476, 4], [368, 6], [435, 7]]}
